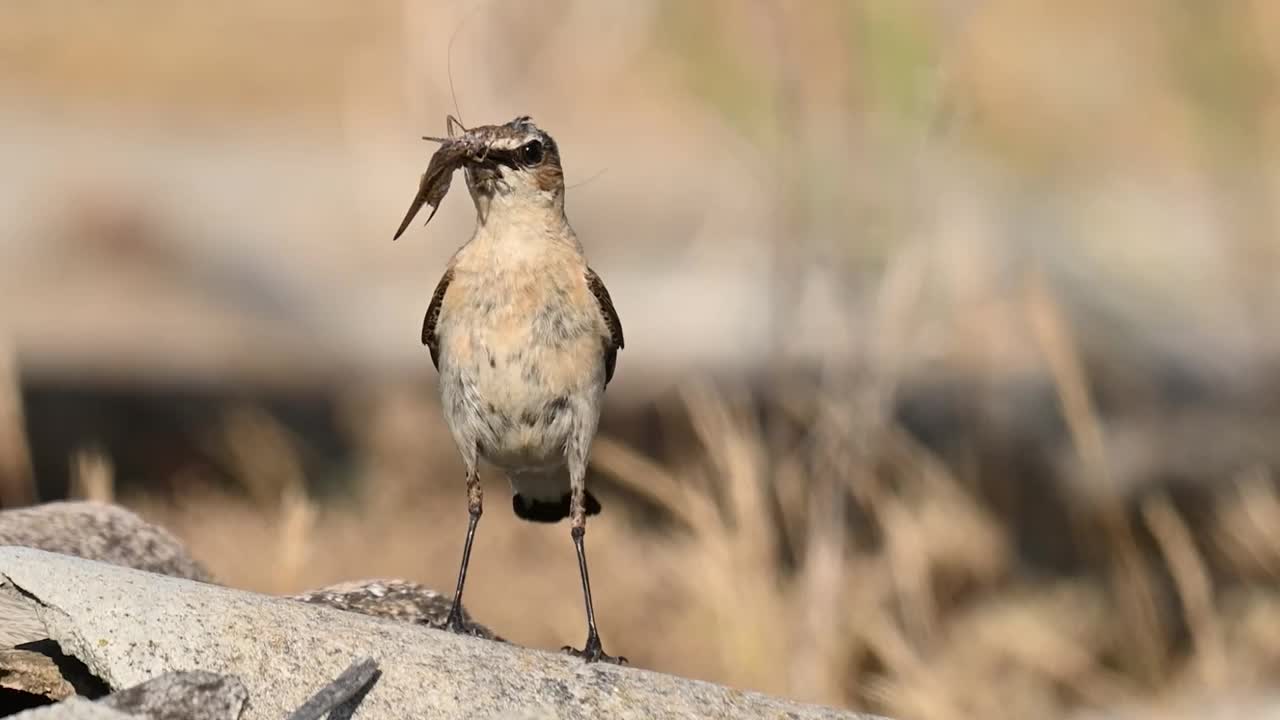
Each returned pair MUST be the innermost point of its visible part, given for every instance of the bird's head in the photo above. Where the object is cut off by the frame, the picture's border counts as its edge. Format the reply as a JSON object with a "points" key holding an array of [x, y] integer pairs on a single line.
{"points": [[515, 163], [510, 167]]}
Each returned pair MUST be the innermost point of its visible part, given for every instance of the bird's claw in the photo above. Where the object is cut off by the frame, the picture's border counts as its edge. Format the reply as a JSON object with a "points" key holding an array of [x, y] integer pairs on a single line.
{"points": [[593, 652], [455, 624]]}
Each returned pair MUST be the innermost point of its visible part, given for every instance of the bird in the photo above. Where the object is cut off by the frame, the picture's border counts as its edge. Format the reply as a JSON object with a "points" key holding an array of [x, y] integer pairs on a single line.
{"points": [[524, 336]]}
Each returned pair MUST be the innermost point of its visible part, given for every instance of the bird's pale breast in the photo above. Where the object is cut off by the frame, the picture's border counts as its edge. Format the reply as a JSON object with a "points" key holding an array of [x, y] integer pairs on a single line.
{"points": [[521, 366]]}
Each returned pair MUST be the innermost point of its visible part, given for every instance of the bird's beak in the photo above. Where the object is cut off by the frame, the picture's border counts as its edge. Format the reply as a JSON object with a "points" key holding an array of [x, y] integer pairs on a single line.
{"points": [[485, 170]]}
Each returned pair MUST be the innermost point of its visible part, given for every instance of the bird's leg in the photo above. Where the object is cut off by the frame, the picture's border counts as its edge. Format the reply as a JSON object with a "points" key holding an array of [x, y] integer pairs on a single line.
{"points": [[592, 651], [475, 507]]}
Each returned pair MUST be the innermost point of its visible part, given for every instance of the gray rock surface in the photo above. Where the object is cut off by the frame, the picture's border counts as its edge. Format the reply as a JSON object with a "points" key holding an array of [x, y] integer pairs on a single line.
{"points": [[130, 626], [19, 622], [74, 709], [345, 693], [194, 695], [99, 531], [113, 534]]}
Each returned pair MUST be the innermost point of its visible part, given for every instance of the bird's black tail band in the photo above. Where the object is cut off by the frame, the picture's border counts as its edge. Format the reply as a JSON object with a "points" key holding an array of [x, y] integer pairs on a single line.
{"points": [[550, 511]]}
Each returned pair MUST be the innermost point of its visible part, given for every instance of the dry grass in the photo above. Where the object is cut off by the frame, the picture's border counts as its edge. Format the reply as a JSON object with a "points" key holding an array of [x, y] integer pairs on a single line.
{"points": [[1073, 193], [921, 627], [16, 485], [756, 580]]}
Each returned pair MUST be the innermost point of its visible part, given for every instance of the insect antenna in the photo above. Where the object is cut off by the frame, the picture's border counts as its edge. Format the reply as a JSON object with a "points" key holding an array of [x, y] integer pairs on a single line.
{"points": [[452, 122], [449, 67], [580, 183]]}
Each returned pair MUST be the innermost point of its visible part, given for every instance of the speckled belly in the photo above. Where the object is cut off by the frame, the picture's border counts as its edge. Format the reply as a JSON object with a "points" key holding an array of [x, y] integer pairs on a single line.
{"points": [[520, 395]]}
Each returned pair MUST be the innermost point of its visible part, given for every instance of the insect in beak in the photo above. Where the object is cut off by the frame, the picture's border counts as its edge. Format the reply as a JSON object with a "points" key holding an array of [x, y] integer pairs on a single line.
{"points": [[435, 182], [463, 147]]}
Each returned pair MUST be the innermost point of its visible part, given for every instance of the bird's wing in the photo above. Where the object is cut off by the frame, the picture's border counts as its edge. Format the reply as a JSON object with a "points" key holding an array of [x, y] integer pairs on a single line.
{"points": [[429, 337], [614, 343]]}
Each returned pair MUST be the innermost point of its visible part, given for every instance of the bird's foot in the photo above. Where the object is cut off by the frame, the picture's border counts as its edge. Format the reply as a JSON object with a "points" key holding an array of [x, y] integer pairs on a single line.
{"points": [[593, 652], [455, 624]]}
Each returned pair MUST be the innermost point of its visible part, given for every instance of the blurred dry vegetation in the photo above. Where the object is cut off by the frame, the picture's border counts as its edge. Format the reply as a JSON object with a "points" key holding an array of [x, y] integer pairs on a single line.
{"points": [[951, 387]]}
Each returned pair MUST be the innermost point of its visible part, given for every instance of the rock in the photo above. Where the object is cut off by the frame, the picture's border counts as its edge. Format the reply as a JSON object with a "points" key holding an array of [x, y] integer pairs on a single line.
{"points": [[173, 696], [347, 691], [74, 709], [99, 531], [18, 621], [196, 695], [129, 626], [113, 534], [34, 674], [68, 668], [400, 600]]}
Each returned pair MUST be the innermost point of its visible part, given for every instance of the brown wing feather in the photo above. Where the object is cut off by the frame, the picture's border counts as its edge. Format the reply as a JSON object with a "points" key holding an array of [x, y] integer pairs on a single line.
{"points": [[615, 342], [429, 337]]}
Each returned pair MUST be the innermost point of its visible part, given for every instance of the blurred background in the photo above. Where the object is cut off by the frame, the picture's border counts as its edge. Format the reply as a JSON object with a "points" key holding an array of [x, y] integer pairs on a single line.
{"points": [[951, 387]]}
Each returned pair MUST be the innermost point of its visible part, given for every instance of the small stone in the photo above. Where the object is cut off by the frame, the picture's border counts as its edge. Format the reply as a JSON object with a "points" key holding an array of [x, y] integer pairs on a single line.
{"points": [[33, 673], [193, 695], [393, 599]]}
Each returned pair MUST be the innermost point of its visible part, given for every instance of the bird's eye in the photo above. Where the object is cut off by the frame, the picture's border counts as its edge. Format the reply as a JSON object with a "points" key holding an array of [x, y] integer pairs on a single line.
{"points": [[531, 153]]}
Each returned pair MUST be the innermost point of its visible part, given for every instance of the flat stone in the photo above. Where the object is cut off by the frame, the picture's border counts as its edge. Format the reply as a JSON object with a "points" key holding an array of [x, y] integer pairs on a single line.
{"points": [[33, 673], [19, 622], [129, 626], [194, 695]]}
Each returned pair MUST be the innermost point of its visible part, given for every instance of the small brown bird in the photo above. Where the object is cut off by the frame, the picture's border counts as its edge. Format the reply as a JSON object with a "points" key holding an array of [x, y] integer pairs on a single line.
{"points": [[523, 334]]}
